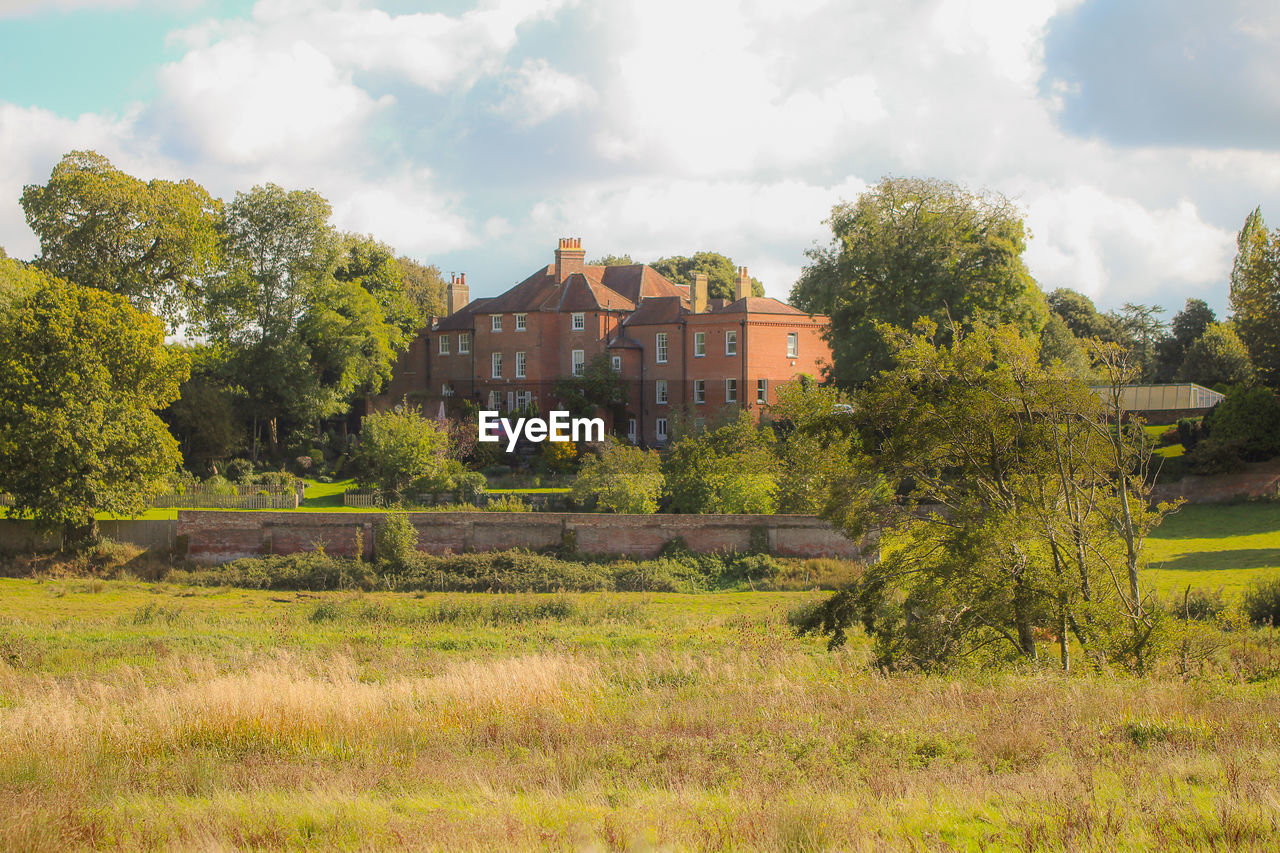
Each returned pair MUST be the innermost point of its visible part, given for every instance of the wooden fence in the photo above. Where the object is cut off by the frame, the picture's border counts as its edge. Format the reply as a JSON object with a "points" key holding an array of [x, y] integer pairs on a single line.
{"points": [[288, 500]]}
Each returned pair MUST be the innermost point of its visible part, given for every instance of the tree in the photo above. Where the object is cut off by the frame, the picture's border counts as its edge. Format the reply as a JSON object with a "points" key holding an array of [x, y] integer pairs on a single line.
{"points": [[813, 461], [82, 375], [599, 387], [1058, 344], [204, 418], [721, 273], [731, 469], [911, 248], [1217, 356], [398, 448], [297, 310], [1019, 507], [612, 261], [1255, 295], [621, 478], [373, 265], [1082, 318], [424, 286], [1145, 331], [152, 242], [1187, 326]]}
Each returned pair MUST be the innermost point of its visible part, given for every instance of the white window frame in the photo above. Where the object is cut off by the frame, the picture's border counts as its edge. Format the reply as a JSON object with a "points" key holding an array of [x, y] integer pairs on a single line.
{"points": [[464, 343], [731, 342], [495, 322], [731, 390], [699, 344], [520, 322], [578, 362], [522, 361], [444, 345], [579, 321], [495, 365], [660, 347], [762, 390], [445, 390], [699, 390], [660, 392], [793, 344], [616, 362], [631, 430], [660, 429]]}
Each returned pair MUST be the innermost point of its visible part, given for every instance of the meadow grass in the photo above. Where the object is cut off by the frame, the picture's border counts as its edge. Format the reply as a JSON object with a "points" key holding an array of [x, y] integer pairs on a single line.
{"points": [[1214, 547], [143, 716]]}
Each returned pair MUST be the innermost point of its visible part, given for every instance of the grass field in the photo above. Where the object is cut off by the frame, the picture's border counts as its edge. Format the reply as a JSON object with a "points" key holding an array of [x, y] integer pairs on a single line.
{"points": [[140, 716], [1214, 547]]}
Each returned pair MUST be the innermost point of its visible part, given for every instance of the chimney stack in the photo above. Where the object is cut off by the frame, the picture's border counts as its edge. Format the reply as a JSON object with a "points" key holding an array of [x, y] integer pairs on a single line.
{"points": [[743, 288], [699, 293], [457, 294], [569, 258]]}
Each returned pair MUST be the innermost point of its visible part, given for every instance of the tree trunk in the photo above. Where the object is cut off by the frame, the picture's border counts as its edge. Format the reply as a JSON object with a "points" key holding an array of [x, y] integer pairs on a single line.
{"points": [[76, 536], [1022, 602]]}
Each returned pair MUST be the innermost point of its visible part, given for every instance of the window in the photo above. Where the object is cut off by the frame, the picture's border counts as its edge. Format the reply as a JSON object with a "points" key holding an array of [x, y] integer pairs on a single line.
{"points": [[699, 344], [497, 365], [522, 399], [496, 320], [793, 345], [660, 347], [661, 429], [731, 390], [660, 392], [495, 399], [464, 343], [521, 361], [730, 343], [444, 344], [699, 390], [511, 400], [445, 390], [617, 364], [579, 362], [631, 430], [520, 320], [579, 321], [762, 390]]}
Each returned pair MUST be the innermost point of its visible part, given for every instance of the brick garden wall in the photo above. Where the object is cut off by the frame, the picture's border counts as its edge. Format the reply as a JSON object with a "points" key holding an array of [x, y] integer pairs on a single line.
{"points": [[222, 536]]}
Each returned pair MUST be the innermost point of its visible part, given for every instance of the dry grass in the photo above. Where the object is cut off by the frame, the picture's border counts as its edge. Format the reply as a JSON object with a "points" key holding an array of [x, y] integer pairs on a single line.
{"points": [[696, 723]]}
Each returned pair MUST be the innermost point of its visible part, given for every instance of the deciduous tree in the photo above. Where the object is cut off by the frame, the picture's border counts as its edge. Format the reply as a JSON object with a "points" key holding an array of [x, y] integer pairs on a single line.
{"points": [[621, 478], [721, 273]]}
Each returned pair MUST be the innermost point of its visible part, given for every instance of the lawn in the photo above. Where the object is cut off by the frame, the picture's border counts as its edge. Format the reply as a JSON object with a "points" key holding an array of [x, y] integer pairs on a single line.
{"points": [[1214, 547], [142, 716]]}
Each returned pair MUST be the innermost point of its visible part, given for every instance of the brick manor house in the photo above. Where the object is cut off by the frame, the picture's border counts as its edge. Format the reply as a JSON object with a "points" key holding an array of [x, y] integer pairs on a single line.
{"points": [[677, 349]]}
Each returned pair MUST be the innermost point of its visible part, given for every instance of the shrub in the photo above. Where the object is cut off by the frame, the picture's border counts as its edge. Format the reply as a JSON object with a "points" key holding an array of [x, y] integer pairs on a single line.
{"points": [[1216, 456], [1188, 433], [1262, 601], [1198, 605], [507, 503], [238, 470], [395, 543], [396, 449], [1249, 417], [621, 479], [313, 570]]}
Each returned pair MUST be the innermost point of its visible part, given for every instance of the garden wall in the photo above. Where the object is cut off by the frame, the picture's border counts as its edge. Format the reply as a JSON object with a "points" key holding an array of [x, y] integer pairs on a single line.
{"points": [[222, 536], [19, 535]]}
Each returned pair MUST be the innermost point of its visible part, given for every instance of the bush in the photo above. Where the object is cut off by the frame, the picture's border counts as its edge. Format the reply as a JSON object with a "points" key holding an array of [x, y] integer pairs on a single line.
{"points": [[1198, 605], [1262, 601], [395, 544], [507, 503], [1250, 418], [1188, 433], [621, 479], [238, 470], [1216, 456], [313, 570]]}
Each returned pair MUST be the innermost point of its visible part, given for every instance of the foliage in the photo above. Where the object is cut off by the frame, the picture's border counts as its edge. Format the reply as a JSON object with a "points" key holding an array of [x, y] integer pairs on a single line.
{"points": [[1059, 345], [1188, 325], [612, 261], [1255, 295], [721, 273], [82, 374], [397, 448], [424, 286], [1022, 509], [1248, 418], [1262, 601], [205, 418], [1217, 356], [814, 460], [730, 469], [911, 248], [599, 387], [621, 478], [395, 544], [152, 242], [560, 456], [1144, 331], [1082, 319]]}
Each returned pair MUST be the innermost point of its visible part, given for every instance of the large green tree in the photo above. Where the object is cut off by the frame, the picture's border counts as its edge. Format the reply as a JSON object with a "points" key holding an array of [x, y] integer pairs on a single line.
{"points": [[152, 242], [1255, 295], [729, 469], [621, 478], [398, 448], [424, 286], [1217, 356], [721, 273], [911, 248], [82, 375]]}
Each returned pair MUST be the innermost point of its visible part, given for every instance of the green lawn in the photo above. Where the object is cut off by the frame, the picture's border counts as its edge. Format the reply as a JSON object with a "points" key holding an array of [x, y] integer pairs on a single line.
{"points": [[1214, 547]]}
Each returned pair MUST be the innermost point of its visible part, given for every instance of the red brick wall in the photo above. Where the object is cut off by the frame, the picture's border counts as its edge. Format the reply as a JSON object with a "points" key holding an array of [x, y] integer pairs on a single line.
{"points": [[221, 536]]}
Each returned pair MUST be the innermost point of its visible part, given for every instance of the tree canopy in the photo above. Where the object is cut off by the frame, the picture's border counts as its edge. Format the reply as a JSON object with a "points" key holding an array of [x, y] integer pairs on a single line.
{"points": [[150, 241], [911, 248], [721, 273], [1255, 295], [82, 375]]}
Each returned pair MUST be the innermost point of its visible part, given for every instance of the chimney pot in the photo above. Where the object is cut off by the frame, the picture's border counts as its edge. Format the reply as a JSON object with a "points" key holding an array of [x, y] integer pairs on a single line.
{"points": [[570, 258]]}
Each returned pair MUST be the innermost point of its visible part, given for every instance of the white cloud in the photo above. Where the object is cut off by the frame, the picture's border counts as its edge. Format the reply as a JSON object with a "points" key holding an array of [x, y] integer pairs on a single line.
{"points": [[20, 8], [539, 92]]}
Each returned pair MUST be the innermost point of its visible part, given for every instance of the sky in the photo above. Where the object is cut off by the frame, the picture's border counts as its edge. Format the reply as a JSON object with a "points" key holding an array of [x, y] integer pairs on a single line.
{"points": [[1135, 135]]}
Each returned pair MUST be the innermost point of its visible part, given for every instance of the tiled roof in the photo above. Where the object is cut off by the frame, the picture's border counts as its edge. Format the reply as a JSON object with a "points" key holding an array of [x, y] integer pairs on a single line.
{"points": [[659, 309], [596, 287], [758, 305], [464, 318], [624, 342]]}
